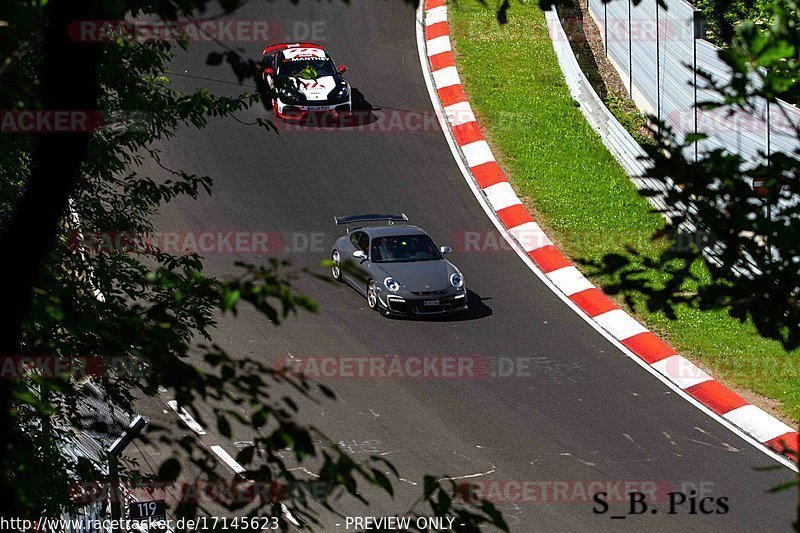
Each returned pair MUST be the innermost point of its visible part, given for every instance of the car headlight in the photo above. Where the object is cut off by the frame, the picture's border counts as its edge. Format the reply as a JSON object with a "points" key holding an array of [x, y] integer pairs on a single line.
{"points": [[456, 280], [392, 284], [340, 92], [288, 95]]}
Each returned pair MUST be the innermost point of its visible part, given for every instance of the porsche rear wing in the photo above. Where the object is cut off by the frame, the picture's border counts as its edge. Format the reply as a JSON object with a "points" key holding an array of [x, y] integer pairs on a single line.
{"points": [[360, 219]]}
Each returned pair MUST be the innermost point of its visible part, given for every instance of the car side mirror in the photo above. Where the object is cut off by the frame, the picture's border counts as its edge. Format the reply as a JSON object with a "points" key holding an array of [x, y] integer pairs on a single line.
{"points": [[360, 255], [445, 249], [342, 69], [269, 71]]}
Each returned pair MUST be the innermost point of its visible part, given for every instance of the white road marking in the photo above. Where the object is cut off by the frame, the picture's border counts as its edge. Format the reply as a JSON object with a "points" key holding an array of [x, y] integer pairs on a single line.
{"points": [[239, 469], [289, 515], [186, 417], [227, 459], [303, 470], [469, 476]]}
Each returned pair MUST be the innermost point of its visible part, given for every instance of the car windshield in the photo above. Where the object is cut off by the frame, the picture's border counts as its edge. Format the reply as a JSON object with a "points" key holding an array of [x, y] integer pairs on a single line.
{"points": [[322, 67], [404, 248]]}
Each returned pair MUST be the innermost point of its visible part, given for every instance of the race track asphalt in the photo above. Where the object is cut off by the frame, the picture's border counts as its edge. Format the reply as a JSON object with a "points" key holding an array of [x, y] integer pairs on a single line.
{"points": [[582, 412]]}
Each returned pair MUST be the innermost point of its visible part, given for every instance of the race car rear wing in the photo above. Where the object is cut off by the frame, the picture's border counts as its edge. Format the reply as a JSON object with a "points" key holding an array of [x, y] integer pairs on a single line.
{"points": [[358, 219]]}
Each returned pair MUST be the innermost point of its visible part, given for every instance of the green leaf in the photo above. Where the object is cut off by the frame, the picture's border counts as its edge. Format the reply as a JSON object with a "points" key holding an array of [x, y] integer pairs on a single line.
{"points": [[784, 486], [777, 52], [230, 299]]}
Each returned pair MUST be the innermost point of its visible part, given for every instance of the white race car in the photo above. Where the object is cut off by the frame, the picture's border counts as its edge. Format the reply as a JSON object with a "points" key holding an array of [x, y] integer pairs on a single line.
{"points": [[303, 79]]}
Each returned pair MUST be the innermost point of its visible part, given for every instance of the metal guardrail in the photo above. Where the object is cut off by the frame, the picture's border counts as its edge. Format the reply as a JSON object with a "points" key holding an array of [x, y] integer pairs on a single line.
{"points": [[657, 52], [615, 137]]}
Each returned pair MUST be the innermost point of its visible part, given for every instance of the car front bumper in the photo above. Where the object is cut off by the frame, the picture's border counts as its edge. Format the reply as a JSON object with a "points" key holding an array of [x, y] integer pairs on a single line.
{"points": [[412, 305], [301, 112]]}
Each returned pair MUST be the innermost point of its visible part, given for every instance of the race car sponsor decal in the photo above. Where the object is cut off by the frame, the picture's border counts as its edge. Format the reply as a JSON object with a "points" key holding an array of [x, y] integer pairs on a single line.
{"points": [[316, 89]]}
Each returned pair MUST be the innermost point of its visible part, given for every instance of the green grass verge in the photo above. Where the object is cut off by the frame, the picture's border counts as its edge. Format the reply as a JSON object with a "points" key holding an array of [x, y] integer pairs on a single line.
{"points": [[582, 196]]}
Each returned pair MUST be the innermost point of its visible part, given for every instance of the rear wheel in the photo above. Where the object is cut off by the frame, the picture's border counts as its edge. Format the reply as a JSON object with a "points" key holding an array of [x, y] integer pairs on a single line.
{"points": [[372, 295], [336, 268]]}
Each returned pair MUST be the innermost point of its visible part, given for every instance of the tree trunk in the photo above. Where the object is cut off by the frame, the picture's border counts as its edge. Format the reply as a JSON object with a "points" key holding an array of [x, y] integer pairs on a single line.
{"points": [[68, 82]]}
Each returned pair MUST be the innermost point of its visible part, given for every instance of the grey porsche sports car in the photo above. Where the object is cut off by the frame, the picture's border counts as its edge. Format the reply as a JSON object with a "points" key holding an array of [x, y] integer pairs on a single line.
{"points": [[397, 267]]}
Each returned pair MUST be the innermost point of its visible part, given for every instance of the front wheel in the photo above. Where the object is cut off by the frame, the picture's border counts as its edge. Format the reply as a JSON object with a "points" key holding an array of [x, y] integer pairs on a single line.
{"points": [[372, 295]]}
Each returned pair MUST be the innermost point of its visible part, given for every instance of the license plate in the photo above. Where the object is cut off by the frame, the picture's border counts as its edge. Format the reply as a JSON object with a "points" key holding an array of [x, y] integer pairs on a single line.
{"points": [[430, 302], [318, 108]]}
